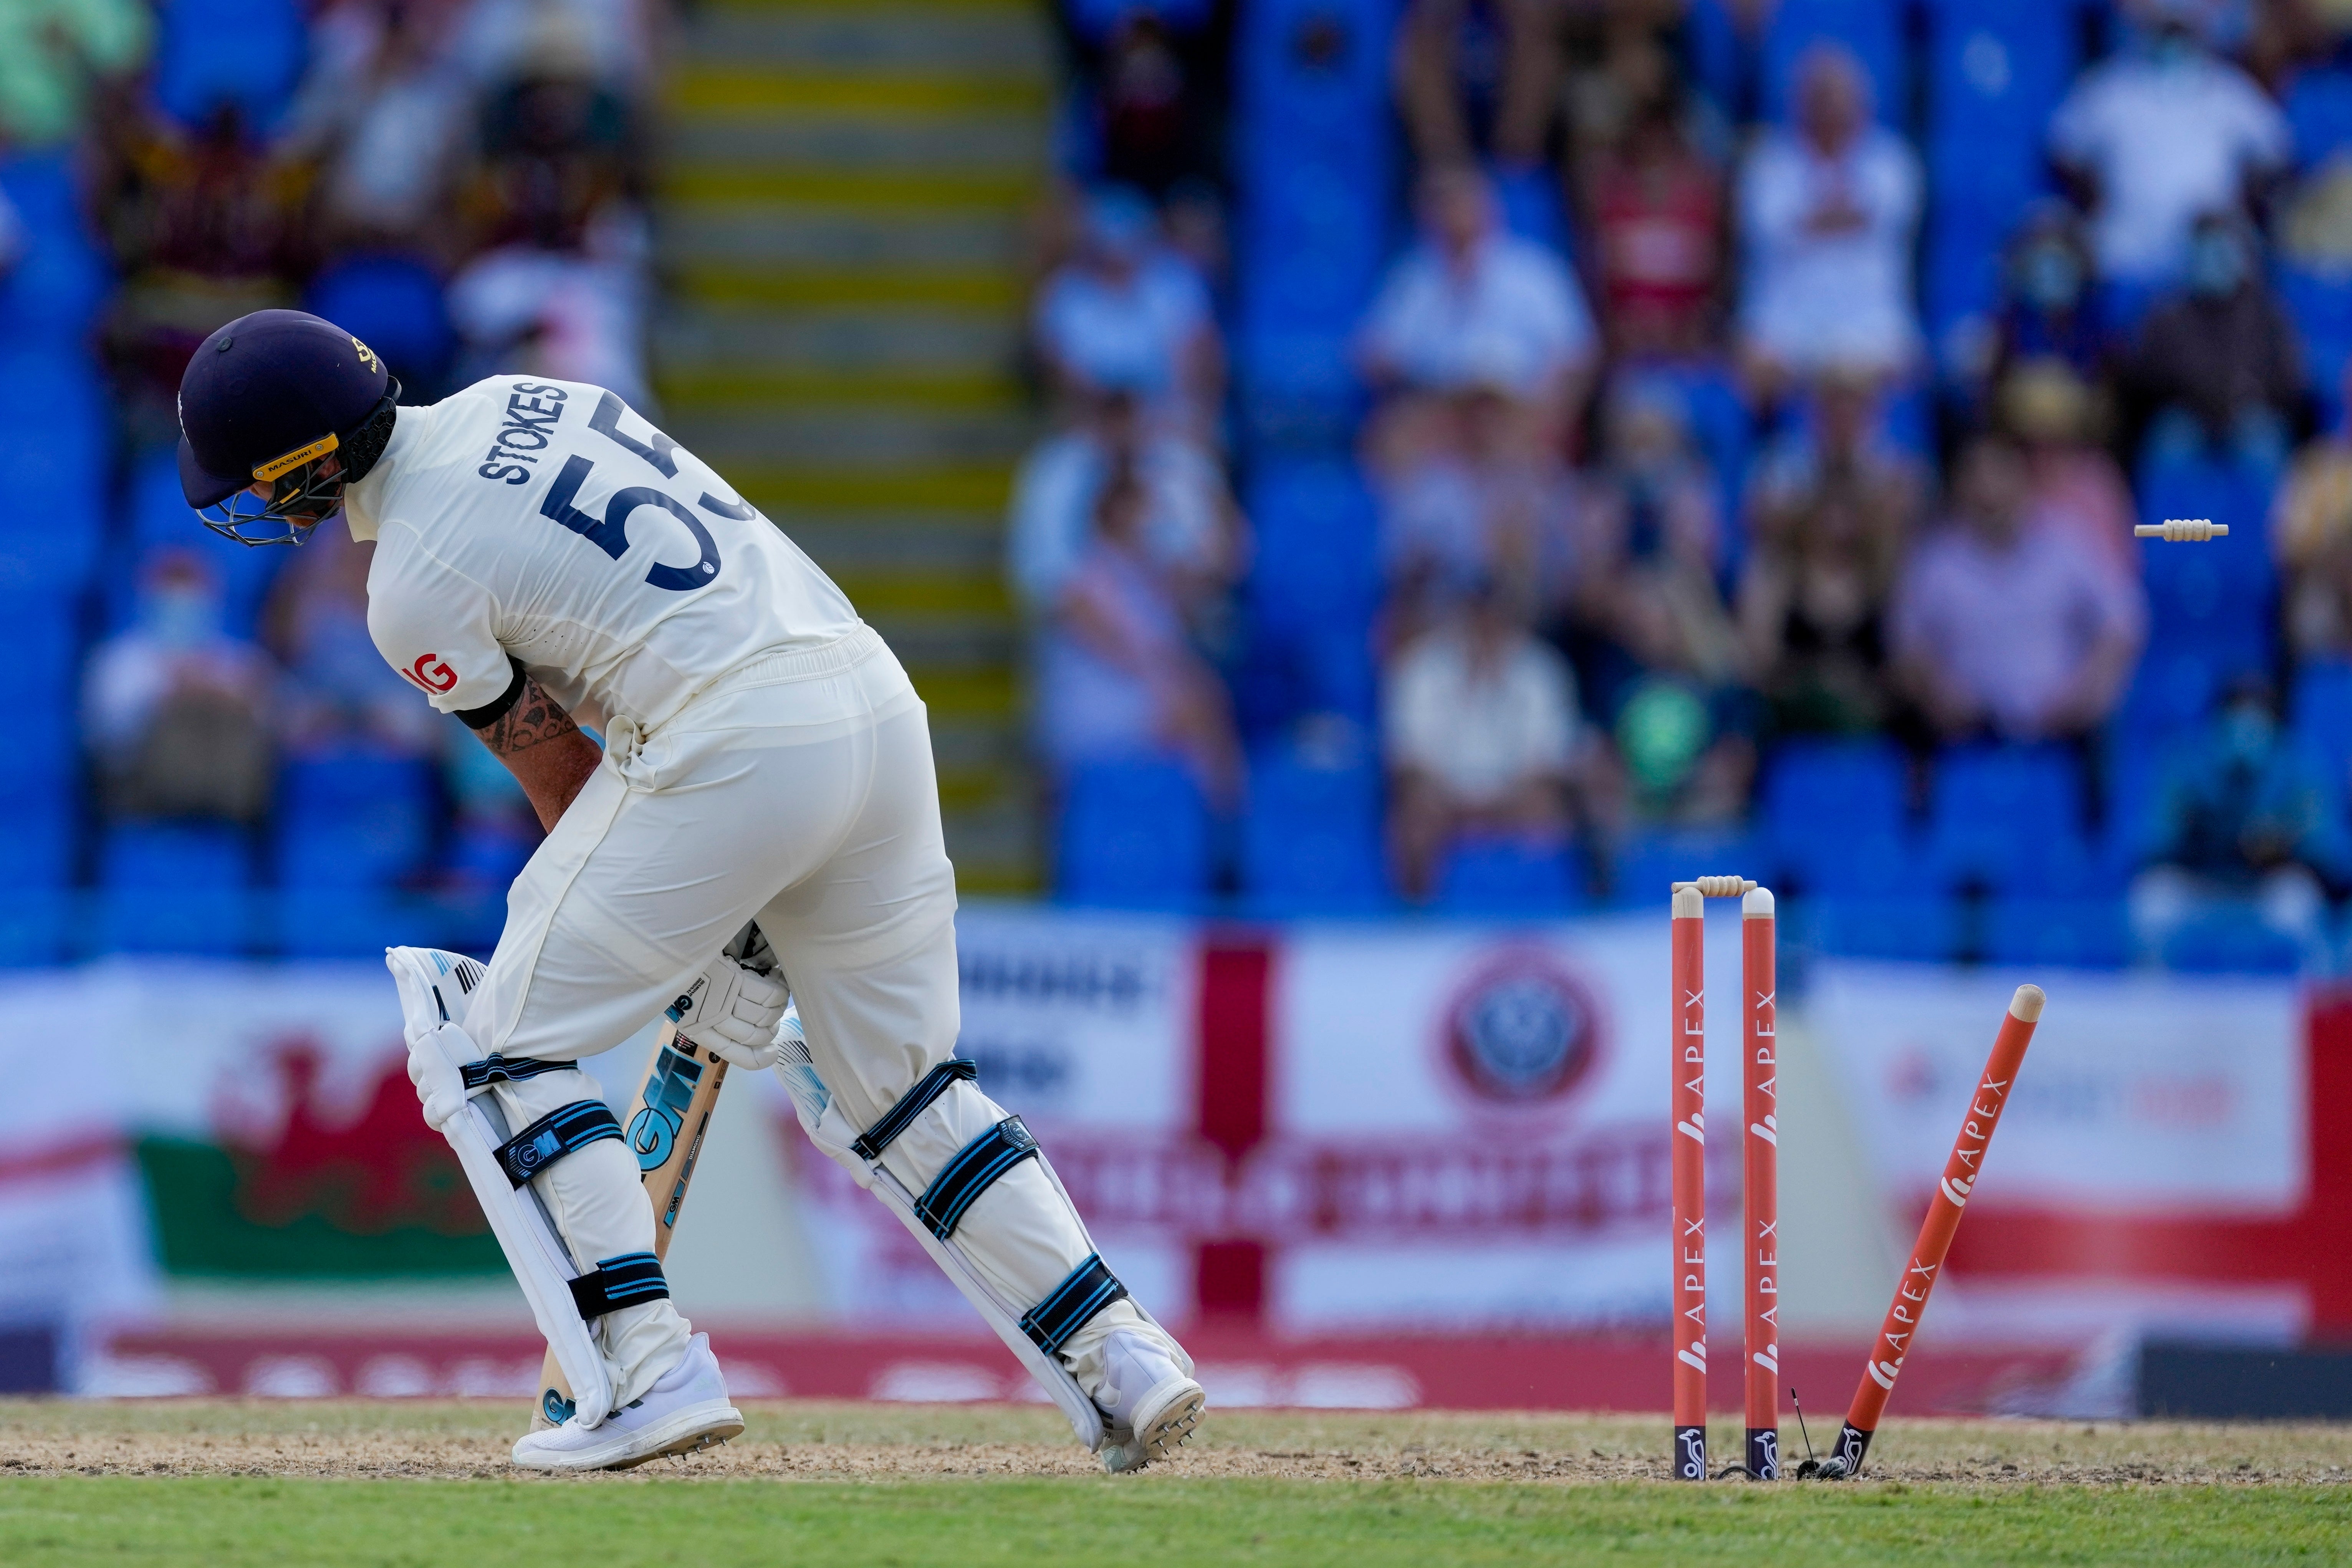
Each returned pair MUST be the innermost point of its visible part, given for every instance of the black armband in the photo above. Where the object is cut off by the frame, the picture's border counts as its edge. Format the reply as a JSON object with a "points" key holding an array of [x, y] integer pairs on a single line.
{"points": [[490, 712]]}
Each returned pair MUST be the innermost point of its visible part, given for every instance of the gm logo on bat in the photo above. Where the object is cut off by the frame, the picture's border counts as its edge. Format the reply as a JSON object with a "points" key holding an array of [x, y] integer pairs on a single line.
{"points": [[653, 1130]]}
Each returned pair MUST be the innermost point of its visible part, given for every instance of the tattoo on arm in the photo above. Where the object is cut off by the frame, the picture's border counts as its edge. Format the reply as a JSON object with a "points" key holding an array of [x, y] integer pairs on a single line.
{"points": [[548, 754], [534, 720]]}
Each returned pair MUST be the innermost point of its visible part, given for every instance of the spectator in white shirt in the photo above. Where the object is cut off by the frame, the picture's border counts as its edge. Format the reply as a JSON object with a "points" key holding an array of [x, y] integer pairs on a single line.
{"points": [[1118, 676], [1192, 527], [618, 39], [2010, 629], [1481, 734], [1827, 213], [387, 112], [564, 314], [338, 691], [1469, 488], [2158, 135], [176, 709], [1474, 302], [1128, 312]]}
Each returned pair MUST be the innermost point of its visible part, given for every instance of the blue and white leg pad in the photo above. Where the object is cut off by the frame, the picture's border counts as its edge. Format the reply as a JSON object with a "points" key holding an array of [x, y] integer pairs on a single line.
{"points": [[499, 1163], [632, 1280], [1033, 1331], [559, 1132]]}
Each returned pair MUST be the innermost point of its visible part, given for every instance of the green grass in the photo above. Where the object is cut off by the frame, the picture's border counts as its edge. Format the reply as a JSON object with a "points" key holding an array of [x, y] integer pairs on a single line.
{"points": [[280, 1522], [290, 1483]]}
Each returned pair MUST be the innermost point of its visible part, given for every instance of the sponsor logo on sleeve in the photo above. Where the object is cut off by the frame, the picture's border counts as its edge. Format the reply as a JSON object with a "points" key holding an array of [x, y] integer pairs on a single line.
{"points": [[431, 673]]}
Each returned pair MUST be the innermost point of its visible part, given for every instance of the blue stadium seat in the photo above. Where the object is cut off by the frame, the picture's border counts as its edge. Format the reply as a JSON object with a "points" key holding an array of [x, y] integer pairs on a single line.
{"points": [[160, 518], [1297, 391], [341, 923], [1996, 71], [2319, 713], [175, 889], [1961, 269], [393, 304], [1315, 156], [1529, 197], [1836, 819], [2134, 770], [50, 297], [2008, 818], [1873, 30], [248, 53], [37, 848], [1905, 419], [1317, 564], [1315, 238], [1509, 879], [351, 820], [351, 826], [1133, 833], [1313, 588], [53, 440], [1311, 839], [39, 767], [486, 854], [2172, 690], [1718, 55], [1648, 865], [2076, 933], [1891, 925], [44, 652], [1287, 674], [1096, 18], [2318, 104], [2123, 301], [1318, 69], [2215, 600], [34, 925], [1720, 422], [2321, 308], [2226, 941]]}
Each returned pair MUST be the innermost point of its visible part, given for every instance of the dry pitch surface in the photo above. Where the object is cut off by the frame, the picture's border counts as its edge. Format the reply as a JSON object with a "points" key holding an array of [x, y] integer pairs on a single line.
{"points": [[827, 1441], [427, 1485]]}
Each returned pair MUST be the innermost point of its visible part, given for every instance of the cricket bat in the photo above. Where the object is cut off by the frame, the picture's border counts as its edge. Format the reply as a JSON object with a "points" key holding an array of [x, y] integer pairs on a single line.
{"points": [[664, 1130]]}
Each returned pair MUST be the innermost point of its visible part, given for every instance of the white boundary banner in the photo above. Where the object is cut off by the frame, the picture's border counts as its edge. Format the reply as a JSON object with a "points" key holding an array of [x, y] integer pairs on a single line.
{"points": [[1464, 1126], [1083, 1025], [1469, 1125], [2149, 1093]]}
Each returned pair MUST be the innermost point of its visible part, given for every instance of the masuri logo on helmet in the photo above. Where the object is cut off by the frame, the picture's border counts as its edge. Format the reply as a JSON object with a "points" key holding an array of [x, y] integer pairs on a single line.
{"points": [[285, 400]]}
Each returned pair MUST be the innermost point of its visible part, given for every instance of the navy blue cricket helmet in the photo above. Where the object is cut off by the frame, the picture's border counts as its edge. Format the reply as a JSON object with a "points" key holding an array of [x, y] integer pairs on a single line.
{"points": [[285, 399]]}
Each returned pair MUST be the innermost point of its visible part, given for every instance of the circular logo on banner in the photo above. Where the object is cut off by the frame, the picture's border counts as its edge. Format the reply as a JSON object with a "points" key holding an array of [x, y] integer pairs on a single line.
{"points": [[1523, 1031]]}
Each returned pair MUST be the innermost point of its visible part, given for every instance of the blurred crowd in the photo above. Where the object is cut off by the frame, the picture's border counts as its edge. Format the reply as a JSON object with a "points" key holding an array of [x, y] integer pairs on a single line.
{"points": [[1765, 389], [1734, 419], [460, 184]]}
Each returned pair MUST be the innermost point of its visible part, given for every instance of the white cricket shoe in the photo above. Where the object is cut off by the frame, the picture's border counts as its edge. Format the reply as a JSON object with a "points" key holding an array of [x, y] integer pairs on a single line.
{"points": [[1152, 1406], [685, 1409]]}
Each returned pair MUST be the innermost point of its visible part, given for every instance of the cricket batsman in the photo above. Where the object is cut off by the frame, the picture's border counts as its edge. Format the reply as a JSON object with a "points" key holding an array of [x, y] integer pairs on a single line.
{"points": [[543, 555]]}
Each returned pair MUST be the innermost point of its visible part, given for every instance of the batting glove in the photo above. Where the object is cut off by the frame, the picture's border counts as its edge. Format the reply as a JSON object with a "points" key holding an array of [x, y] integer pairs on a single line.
{"points": [[732, 1012], [433, 1066]]}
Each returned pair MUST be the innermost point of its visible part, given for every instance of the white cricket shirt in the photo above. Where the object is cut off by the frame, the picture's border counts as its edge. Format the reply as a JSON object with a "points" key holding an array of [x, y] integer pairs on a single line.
{"points": [[548, 521]]}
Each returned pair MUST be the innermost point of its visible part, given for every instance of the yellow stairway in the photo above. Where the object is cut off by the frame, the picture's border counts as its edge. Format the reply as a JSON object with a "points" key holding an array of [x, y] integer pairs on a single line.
{"points": [[841, 237]]}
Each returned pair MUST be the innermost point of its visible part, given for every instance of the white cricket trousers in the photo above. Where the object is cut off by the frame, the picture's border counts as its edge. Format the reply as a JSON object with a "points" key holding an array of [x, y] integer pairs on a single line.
{"points": [[797, 790]]}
